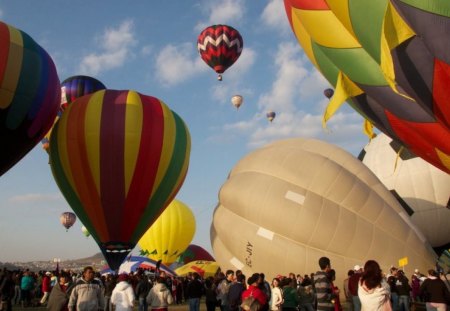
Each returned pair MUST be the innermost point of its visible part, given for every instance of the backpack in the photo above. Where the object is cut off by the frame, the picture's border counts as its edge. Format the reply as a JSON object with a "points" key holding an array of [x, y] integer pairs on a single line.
{"points": [[250, 303]]}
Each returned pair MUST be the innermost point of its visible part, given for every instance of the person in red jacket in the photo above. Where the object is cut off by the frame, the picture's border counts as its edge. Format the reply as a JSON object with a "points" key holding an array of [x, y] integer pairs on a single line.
{"points": [[353, 287], [254, 291], [46, 287]]}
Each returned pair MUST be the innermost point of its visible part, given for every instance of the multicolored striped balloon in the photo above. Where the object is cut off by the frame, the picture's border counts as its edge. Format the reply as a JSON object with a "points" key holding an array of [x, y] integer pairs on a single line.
{"points": [[72, 88], [29, 94], [390, 59], [119, 158]]}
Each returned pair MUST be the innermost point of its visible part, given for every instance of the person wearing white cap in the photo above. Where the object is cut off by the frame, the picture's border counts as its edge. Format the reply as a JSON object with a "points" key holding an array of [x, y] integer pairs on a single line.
{"points": [[46, 287], [353, 287]]}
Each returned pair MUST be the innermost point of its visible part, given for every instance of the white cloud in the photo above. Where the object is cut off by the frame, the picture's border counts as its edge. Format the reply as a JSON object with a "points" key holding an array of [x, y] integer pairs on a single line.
{"points": [[233, 77], [177, 63], [274, 16], [117, 44], [297, 97], [221, 12], [35, 197]]}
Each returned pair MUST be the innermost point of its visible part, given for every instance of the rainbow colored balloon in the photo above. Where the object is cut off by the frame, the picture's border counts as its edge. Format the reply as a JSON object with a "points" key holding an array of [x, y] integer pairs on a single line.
{"points": [[30, 94], [390, 59], [119, 158]]}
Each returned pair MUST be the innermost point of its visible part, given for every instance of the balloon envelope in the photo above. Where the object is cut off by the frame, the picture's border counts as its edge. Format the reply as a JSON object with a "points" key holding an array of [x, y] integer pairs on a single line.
{"points": [[287, 204], [193, 253], [237, 100], [170, 234], [67, 219], [422, 189], [85, 231], [203, 268], [220, 46], [72, 88], [270, 115], [395, 73], [119, 158], [29, 94], [328, 93], [133, 263]]}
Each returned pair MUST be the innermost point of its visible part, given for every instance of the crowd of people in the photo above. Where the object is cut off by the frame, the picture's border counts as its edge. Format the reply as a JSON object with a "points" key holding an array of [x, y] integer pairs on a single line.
{"points": [[366, 288]]}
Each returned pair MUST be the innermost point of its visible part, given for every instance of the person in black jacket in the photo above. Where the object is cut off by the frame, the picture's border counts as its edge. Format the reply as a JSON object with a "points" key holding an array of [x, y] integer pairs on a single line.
{"points": [[434, 291], [194, 292]]}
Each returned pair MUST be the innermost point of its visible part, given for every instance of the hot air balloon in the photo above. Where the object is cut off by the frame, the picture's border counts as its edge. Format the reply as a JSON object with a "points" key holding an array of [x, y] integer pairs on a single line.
{"points": [[194, 252], [219, 47], [67, 219], [422, 189], [119, 158], [170, 234], [270, 115], [289, 203], [328, 93], [29, 94], [237, 100], [72, 88], [77, 86], [395, 73], [85, 231]]}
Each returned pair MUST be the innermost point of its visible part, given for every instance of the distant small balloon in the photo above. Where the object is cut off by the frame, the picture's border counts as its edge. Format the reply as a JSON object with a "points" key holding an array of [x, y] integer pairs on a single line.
{"points": [[67, 219], [270, 115], [237, 101], [328, 93], [85, 231]]}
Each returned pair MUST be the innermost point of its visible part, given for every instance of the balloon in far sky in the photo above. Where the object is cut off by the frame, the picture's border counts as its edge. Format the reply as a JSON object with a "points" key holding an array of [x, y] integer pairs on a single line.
{"points": [[220, 46], [119, 158], [29, 94], [395, 73], [422, 189], [170, 234], [287, 204], [85, 231], [237, 101], [328, 93], [67, 219], [72, 88], [270, 115]]}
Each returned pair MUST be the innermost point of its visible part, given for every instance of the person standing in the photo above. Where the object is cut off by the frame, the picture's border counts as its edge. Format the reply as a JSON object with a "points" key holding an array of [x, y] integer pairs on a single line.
{"points": [[373, 291], [122, 297], [6, 291], [27, 284], [347, 294], [222, 290], [235, 292], [435, 292], [404, 291], [159, 297], [322, 285], [142, 290], [60, 294], [290, 295], [87, 293], [276, 297], [254, 291], [194, 292], [46, 287], [110, 283], [353, 287]]}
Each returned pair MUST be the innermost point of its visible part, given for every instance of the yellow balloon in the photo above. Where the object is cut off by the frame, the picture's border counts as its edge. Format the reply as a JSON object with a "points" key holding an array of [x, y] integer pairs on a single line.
{"points": [[170, 234]]}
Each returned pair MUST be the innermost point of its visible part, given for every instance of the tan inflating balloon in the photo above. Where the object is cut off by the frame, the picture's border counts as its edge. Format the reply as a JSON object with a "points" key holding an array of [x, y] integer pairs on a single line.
{"points": [[422, 189], [293, 201]]}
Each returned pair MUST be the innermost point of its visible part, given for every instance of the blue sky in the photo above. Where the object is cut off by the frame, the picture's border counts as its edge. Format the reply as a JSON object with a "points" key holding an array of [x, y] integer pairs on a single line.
{"points": [[150, 47]]}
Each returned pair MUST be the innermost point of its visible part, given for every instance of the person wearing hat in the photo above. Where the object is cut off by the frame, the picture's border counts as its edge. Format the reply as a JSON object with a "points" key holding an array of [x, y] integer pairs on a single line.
{"points": [[87, 293], [353, 287], [46, 287], [122, 297]]}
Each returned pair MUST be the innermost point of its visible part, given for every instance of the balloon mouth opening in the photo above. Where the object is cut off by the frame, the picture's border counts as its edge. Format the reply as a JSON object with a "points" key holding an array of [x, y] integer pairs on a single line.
{"points": [[117, 247], [219, 69]]}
